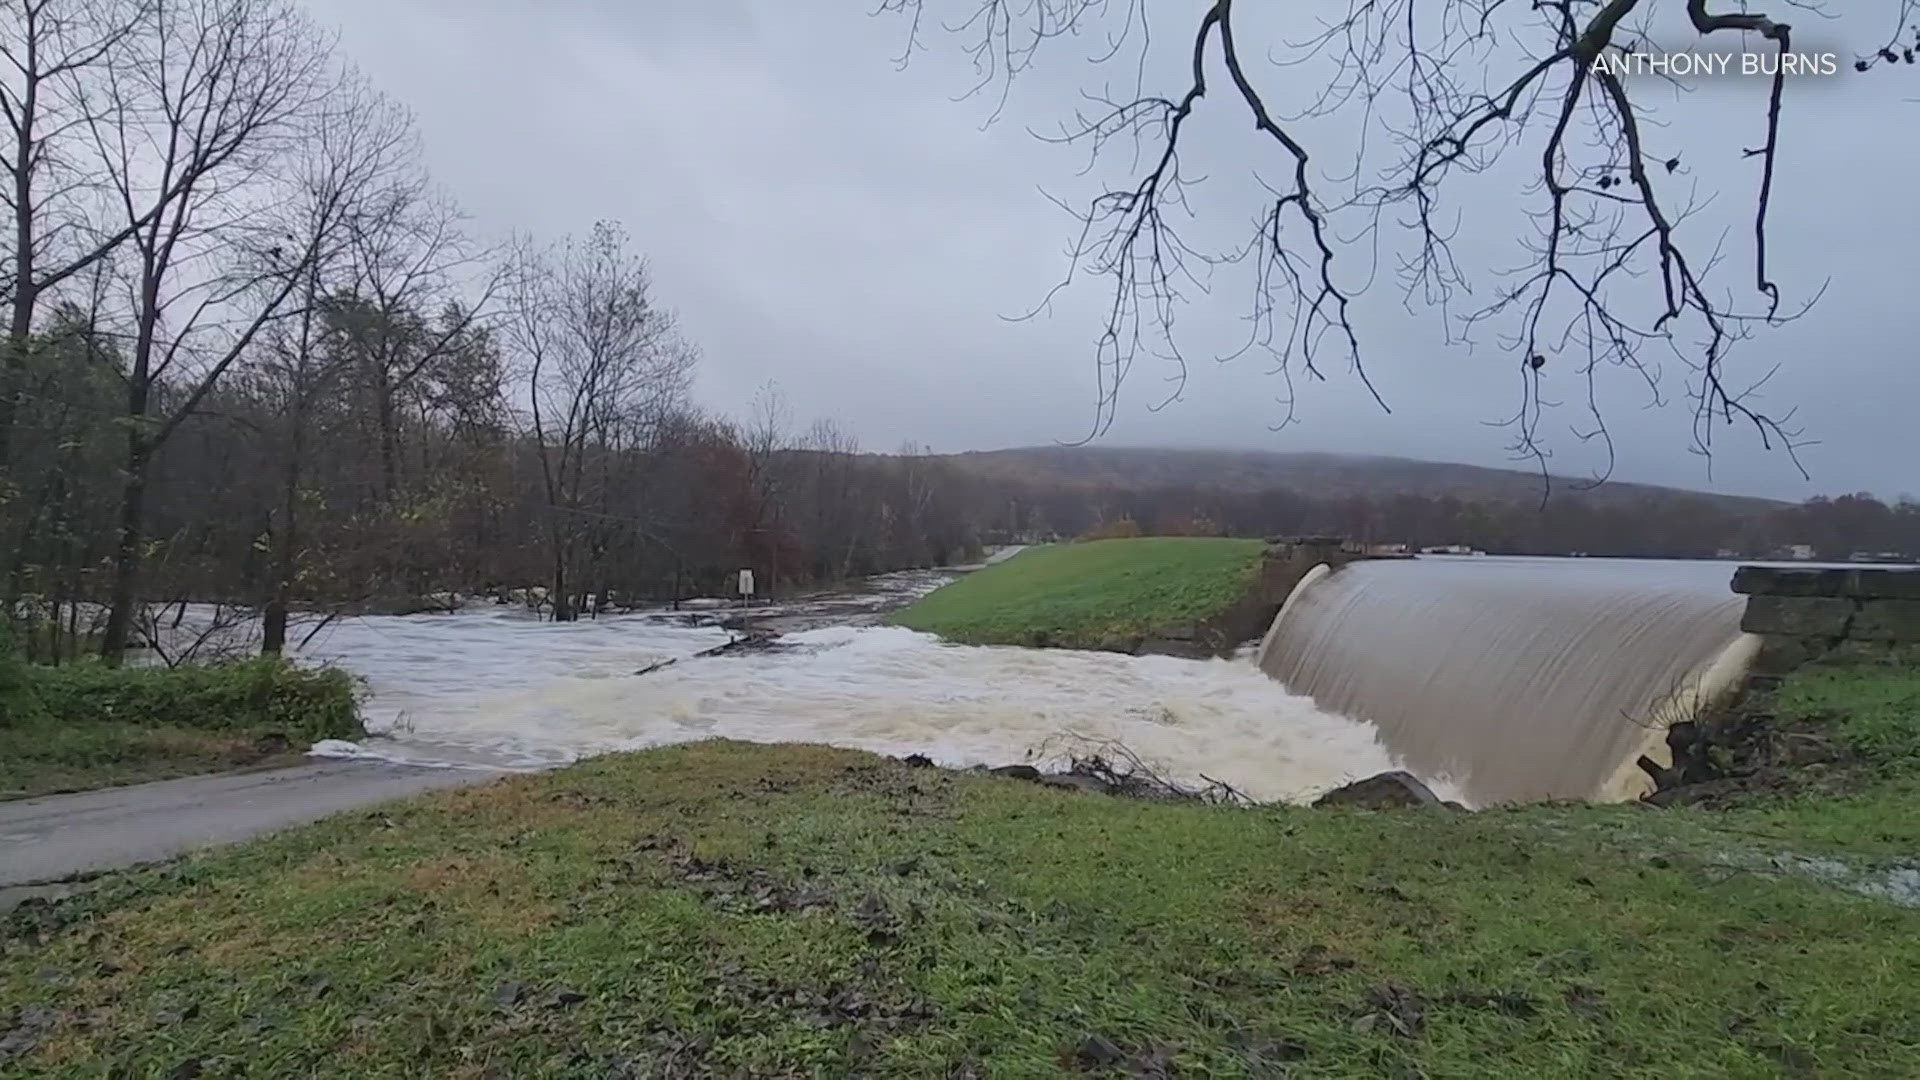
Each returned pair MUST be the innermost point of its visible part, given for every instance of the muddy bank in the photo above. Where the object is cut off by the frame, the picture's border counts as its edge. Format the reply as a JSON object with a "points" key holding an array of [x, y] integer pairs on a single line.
{"points": [[1750, 751], [1282, 565], [1115, 771]]}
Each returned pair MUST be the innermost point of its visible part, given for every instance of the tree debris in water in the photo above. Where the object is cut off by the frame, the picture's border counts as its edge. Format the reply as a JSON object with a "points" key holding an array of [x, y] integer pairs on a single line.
{"points": [[752, 640], [1108, 767]]}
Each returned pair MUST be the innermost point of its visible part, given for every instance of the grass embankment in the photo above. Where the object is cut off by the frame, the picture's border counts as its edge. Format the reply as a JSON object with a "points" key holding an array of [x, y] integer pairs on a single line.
{"points": [[88, 726], [1844, 768], [743, 910], [1099, 594]]}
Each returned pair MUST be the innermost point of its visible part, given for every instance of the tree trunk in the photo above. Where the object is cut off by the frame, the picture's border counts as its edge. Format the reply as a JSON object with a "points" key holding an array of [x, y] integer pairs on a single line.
{"points": [[25, 294], [13, 371], [562, 604], [126, 560], [273, 627], [389, 445], [73, 621]]}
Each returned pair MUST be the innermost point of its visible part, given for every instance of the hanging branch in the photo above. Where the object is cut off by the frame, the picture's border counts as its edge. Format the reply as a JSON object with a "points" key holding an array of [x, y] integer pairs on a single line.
{"points": [[1613, 269]]}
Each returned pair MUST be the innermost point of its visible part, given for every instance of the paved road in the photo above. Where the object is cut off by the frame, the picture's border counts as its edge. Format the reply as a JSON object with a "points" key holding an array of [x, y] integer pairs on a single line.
{"points": [[58, 836], [45, 840]]}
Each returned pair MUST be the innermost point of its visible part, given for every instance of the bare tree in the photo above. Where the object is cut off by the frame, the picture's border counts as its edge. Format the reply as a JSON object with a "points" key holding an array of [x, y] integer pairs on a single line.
{"points": [[1430, 95], [832, 502], [51, 50], [54, 515], [766, 441], [415, 257], [359, 151], [197, 119], [918, 485], [602, 359]]}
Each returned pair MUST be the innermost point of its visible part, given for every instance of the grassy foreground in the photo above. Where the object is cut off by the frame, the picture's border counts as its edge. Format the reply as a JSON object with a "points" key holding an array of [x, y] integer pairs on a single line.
{"points": [[729, 909], [1851, 780], [87, 726], [45, 759], [1097, 594]]}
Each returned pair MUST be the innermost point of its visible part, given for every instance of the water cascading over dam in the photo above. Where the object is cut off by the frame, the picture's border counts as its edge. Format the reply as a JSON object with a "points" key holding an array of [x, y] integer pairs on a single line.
{"points": [[1519, 679]]}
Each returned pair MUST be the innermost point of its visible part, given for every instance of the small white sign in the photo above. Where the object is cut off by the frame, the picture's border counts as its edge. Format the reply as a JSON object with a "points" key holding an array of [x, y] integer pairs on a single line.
{"points": [[746, 583]]}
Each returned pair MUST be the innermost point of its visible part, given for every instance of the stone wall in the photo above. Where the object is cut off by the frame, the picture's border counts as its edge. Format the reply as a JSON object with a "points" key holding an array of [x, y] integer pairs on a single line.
{"points": [[1804, 614]]}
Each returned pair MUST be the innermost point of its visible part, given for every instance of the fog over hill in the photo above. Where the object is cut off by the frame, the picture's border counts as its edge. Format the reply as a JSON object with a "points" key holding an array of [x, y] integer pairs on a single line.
{"points": [[1320, 475]]}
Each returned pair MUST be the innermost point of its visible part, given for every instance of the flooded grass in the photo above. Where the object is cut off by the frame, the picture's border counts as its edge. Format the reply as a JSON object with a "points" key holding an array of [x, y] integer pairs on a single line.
{"points": [[722, 908]]}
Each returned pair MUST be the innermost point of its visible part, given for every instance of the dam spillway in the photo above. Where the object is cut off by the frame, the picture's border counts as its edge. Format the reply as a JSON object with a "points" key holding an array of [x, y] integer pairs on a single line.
{"points": [[1519, 679]]}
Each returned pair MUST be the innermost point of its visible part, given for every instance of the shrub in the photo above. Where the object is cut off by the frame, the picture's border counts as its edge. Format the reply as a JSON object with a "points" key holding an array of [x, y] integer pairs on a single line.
{"points": [[18, 700], [303, 703], [1124, 529]]}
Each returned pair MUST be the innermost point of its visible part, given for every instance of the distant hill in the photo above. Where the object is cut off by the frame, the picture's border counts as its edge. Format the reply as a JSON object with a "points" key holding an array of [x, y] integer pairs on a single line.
{"points": [[1316, 474]]}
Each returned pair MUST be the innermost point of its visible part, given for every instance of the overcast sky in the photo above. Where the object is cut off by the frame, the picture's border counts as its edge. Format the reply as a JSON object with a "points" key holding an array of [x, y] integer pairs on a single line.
{"points": [[825, 220]]}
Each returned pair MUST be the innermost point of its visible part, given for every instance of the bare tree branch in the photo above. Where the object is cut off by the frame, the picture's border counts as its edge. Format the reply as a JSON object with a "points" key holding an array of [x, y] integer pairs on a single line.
{"points": [[1620, 269]]}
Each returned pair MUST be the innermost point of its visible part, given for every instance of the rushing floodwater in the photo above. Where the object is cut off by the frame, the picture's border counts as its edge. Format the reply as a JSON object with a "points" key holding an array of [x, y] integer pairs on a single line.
{"points": [[1531, 678], [496, 687], [1521, 678]]}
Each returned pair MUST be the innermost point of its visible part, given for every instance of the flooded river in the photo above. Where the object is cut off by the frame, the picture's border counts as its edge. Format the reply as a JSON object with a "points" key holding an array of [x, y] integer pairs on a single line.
{"points": [[496, 687]]}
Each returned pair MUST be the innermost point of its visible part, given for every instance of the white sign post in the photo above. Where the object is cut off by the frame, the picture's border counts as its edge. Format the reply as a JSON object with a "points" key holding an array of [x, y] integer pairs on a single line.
{"points": [[746, 585]]}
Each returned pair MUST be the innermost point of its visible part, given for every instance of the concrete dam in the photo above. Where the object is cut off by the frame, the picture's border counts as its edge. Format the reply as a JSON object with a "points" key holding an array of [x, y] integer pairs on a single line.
{"points": [[1524, 679]]}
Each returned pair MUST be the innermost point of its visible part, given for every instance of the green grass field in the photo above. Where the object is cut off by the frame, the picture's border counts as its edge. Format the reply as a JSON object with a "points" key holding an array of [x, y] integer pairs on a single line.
{"points": [[725, 909], [1099, 594], [1868, 801]]}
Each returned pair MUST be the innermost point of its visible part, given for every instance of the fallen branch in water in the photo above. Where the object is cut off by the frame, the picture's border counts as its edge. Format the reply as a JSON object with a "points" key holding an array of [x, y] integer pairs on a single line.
{"points": [[754, 641], [1122, 772]]}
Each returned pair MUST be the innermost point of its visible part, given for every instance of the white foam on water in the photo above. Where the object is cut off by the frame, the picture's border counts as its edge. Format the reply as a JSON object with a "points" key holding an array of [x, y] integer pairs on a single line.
{"points": [[478, 689], [426, 665], [495, 686]]}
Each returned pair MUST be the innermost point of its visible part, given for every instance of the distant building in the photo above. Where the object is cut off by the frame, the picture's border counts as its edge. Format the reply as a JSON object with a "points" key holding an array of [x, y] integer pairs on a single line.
{"points": [[1801, 552], [1878, 557], [1726, 553], [1386, 549], [1447, 549]]}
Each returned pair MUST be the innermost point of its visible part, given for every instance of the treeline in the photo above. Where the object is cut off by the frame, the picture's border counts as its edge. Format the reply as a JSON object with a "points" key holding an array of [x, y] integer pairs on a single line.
{"points": [[361, 457], [253, 356], [1666, 525]]}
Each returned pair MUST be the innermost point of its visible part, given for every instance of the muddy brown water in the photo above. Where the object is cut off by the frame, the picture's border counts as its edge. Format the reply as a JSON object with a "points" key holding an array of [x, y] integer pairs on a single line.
{"points": [[1519, 679]]}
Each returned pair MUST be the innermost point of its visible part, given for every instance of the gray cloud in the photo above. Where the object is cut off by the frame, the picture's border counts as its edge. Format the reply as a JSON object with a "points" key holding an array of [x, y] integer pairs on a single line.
{"points": [[825, 220]]}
